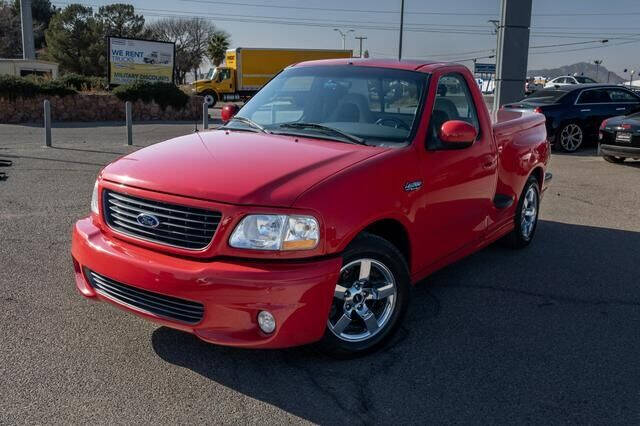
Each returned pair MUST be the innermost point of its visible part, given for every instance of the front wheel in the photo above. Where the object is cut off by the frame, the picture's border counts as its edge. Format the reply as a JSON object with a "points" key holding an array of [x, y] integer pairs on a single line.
{"points": [[526, 217], [370, 298], [614, 159], [211, 99]]}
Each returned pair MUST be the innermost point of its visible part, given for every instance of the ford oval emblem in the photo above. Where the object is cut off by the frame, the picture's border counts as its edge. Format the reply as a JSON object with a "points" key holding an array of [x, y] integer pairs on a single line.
{"points": [[148, 220]]}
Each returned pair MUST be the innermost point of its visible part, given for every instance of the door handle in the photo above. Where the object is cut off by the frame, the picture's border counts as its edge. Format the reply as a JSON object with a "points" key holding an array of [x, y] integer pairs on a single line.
{"points": [[621, 109], [489, 164], [585, 110]]}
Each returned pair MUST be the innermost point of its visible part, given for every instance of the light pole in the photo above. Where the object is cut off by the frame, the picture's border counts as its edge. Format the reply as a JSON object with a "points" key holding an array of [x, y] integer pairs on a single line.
{"points": [[598, 62], [28, 49], [401, 29], [343, 34], [360, 39]]}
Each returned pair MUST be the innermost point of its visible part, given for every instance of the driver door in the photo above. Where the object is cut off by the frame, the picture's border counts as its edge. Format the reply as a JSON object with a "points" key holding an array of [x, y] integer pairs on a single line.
{"points": [[459, 184]]}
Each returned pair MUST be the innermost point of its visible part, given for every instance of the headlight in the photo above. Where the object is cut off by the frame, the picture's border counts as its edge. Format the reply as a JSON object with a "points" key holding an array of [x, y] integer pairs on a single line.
{"points": [[94, 198], [276, 232]]}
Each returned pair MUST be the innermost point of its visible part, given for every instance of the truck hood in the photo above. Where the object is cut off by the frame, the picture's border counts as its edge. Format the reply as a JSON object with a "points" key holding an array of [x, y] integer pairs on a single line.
{"points": [[236, 167], [203, 81]]}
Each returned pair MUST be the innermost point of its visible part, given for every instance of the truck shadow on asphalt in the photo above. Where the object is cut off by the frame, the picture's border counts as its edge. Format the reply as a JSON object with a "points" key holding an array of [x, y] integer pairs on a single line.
{"points": [[549, 332]]}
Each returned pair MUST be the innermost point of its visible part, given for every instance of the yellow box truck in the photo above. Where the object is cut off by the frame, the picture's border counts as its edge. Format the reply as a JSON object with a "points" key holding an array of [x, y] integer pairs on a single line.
{"points": [[246, 70]]}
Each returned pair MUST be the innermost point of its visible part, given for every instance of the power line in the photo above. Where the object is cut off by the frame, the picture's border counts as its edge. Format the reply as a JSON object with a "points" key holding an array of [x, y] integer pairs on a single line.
{"points": [[376, 25], [587, 48], [569, 44], [279, 6]]}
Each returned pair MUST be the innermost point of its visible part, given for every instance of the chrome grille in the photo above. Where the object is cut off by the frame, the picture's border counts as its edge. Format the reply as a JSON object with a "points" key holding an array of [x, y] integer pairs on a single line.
{"points": [[165, 306], [178, 226]]}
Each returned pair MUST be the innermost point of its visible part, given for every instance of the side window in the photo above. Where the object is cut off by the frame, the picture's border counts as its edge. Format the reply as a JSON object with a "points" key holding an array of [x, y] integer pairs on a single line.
{"points": [[225, 74], [619, 95], [454, 99], [593, 96], [453, 102]]}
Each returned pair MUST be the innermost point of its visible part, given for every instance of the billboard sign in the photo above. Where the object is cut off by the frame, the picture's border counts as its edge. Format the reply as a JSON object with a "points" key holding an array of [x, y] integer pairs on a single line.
{"points": [[131, 60], [479, 68]]}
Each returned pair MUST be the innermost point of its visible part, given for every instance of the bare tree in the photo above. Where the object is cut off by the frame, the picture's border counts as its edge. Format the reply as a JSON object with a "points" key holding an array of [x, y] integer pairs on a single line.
{"points": [[191, 37]]}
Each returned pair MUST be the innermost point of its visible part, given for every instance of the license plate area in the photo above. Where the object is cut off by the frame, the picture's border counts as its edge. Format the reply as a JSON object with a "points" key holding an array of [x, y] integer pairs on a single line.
{"points": [[624, 137]]}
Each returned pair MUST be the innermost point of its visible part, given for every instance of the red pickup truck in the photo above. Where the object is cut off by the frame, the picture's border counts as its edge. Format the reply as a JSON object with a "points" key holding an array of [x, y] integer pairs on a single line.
{"points": [[308, 215]]}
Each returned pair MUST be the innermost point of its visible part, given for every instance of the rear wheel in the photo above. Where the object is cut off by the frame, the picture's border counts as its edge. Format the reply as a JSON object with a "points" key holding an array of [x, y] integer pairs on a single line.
{"points": [[614, 159], [526, 217], [570, 137], [370, 298]]}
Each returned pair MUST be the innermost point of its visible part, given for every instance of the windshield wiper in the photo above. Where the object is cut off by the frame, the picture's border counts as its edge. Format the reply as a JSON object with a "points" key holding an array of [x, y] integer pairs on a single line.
{"points": [[325, 129], [250, 123]]}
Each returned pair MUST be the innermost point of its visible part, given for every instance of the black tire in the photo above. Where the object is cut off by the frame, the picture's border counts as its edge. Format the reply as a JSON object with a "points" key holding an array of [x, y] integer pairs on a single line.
{"points": [[614, 159], [518, 238], [368, 247], [210, 98], [570, 137]]}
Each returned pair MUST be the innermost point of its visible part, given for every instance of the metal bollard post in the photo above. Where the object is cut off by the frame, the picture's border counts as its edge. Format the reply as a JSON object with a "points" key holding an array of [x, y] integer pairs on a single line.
{"points": [[205, 115], [47, 123], [127, 113]]}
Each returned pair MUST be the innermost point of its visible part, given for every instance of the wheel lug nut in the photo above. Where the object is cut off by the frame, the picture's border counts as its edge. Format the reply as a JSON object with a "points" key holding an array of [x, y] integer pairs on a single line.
{"points": [[348, 306]]}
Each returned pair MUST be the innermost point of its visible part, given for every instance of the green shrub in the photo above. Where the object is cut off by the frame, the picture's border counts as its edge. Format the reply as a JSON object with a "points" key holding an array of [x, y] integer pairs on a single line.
{"points": [[164, 94], [20, 87], [82, 82]]}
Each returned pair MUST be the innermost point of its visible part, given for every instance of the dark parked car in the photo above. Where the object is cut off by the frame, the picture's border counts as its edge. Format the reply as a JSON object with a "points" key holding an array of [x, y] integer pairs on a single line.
{"points": [[620, 138], [574, 113]]}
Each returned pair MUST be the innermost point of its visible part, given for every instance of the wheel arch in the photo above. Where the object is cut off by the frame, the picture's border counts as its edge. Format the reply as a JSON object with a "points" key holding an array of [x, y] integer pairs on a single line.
{"points": [[210, 92], [538, 173], [392, 230]]}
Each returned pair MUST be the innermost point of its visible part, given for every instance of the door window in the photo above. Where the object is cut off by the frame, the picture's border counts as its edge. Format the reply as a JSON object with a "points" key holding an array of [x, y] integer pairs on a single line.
{"points": [[225, 73], [453, 102], [594, 96], [619, 95]]}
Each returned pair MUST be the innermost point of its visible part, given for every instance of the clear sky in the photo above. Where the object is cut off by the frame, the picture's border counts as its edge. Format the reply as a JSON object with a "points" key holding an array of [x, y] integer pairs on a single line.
{"points": [[435, 29]]}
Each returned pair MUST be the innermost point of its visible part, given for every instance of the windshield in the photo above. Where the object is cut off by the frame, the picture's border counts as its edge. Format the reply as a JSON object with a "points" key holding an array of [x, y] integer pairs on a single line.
{"points": [[212, 73], [545, 96], [585, 80], [375, 104]]}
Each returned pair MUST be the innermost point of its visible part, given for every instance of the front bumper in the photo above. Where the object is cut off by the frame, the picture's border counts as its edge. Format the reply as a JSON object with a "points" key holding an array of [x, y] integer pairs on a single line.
{"points": [[297, 293], [619, 151]]}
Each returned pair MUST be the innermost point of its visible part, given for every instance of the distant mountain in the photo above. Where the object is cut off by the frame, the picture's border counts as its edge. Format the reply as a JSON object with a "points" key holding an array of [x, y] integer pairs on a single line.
{"points": [[581, 68]]}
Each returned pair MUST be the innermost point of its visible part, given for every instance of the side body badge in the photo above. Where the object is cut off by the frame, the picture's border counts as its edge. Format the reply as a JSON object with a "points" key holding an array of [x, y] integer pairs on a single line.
{"points": [[413, 186]]}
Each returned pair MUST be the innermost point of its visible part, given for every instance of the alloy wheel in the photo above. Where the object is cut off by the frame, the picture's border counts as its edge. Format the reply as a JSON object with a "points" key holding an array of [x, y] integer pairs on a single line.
{"points": [[364, 300], [529, 214], [571, 137]]}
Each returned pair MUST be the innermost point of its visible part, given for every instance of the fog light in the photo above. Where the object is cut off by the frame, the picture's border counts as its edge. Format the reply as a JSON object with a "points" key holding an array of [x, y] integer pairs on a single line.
{"points": [[266, 321]]}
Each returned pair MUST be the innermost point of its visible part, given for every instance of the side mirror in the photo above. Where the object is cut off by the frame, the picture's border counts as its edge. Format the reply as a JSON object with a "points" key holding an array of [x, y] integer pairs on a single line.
{"points": [[228, 112], [457, 134]]}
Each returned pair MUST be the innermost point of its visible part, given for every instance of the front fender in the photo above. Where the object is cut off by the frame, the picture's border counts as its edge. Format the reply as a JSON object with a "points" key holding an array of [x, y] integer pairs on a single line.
{"points": [[370, 191]]}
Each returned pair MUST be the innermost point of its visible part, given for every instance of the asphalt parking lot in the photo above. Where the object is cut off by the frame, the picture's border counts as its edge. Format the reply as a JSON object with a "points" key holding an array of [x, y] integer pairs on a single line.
{"points": [[549, 334]]}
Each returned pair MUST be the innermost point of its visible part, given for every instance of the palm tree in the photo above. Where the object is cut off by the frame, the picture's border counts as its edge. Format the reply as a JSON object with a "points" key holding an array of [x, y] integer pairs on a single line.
{"points": [[217, 47]]}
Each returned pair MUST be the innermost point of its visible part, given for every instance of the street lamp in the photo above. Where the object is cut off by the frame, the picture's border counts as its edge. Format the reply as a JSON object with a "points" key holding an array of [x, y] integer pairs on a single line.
{"points": [[598, 62], [343, 34], [631, 72]]}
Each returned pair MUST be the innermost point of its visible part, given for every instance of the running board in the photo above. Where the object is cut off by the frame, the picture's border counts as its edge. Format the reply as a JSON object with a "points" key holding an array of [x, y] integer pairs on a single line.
{"points": [[501, 201]]}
